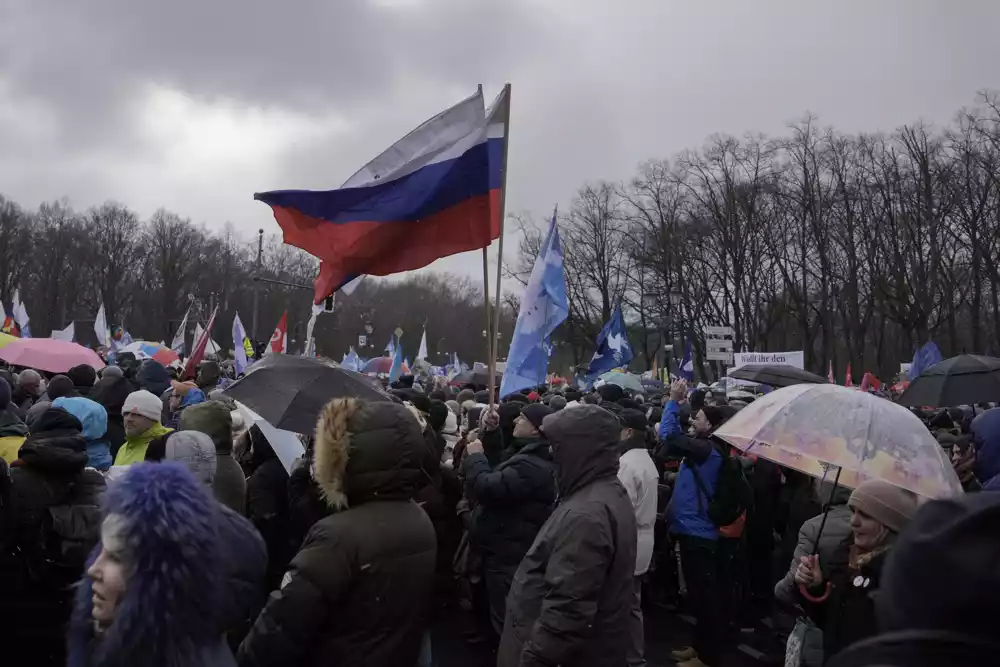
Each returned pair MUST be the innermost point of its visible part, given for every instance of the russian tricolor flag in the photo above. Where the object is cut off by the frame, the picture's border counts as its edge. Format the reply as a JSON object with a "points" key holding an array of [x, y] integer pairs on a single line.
{"points": [[434, 193]]}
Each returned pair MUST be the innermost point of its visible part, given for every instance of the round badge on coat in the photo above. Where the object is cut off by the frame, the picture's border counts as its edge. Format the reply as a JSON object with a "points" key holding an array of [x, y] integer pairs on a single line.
{"points": [[859, 581]]}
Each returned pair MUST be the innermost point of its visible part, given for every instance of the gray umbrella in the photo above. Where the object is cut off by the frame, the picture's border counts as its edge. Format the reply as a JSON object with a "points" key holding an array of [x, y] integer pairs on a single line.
{"points": [[776, 375]]}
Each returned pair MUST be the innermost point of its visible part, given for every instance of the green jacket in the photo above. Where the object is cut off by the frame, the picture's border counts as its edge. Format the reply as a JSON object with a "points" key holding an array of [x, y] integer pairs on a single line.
{"points": [[134, 449]]}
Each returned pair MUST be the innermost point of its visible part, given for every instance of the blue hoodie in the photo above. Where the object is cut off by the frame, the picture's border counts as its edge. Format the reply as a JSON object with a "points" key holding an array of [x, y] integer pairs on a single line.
{"points": [[94, 419]]}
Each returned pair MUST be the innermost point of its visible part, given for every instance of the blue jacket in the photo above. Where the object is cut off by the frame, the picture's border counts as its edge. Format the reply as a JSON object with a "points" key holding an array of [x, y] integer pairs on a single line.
{"points": [[94, 419], [690, 512], [670, 421]]}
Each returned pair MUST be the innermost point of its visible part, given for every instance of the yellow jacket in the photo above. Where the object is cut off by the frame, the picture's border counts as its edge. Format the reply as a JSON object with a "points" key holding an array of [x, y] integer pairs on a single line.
{"points": [[9, 446]]}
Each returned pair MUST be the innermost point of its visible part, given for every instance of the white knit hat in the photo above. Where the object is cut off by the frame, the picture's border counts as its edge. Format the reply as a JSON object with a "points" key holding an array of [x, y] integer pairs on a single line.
{"points": [[145, 404]]}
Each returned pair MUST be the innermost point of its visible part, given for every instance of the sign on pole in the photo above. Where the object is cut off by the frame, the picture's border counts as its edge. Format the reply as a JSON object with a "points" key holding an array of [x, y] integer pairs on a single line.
{"points": [[362, 340], [719, 344]]}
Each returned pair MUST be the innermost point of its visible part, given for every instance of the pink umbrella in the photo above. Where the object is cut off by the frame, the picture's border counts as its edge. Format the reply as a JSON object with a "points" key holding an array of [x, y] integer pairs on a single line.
{"points": [[48, 354]]}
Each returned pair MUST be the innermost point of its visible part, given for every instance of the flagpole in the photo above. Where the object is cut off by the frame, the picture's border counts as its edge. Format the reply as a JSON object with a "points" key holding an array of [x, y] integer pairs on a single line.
{"points": [[503, 197], [489, 327]]}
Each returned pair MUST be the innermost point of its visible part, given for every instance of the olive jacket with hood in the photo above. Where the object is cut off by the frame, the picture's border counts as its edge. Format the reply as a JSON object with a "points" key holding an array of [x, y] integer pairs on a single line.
{"points": [[357, 591], [571, 598]]}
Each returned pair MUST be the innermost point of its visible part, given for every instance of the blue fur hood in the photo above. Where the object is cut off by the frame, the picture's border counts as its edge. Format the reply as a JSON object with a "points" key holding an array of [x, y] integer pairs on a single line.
{"points": [[172, 614]]}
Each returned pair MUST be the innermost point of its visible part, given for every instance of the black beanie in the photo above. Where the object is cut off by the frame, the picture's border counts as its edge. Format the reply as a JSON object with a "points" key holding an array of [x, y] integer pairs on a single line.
{"points": [[611, 392], [942, 572], [83, 375], [535, 413], [60, 386], [4, 394], [633, 419]]}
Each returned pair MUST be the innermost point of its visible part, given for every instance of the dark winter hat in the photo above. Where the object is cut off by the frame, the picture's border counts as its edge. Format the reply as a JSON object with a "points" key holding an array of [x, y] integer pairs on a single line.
{"points": [[536, 413], [629, 404], [612, 407], [482, 396], [82, 375], [517, 398], [437, 415], [942, 573], [634, 419], [465, 395], [942, 420], [4, 394], [419, 401], [557, 403], [572, 395], [611, 392], [60, 386]]}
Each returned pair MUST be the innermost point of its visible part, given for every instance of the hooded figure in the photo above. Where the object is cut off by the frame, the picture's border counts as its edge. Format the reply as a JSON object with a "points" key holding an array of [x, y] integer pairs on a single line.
{"points": [[572, 594], [111, 392], [12, 429], [215, 420], [156, 592], [355, 594], [58, 387], [153, 377], [94, 419], [512, 502], [51, 524], [986, 441]]}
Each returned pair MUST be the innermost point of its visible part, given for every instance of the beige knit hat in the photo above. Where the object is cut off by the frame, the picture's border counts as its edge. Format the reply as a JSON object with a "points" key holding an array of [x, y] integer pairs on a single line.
{"points": [[890, 505]]}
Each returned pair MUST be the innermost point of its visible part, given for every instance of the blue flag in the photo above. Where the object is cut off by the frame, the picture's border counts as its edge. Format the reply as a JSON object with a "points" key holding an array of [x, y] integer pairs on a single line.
{"points": [[397, 362], [390, 349], [351, 361], [613, 349], [924, 358], [543, 308], [687, 365]]}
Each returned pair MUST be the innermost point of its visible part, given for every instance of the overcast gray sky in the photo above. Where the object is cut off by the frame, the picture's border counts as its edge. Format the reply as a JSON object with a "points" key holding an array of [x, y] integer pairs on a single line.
{"points": [[196, 104]]}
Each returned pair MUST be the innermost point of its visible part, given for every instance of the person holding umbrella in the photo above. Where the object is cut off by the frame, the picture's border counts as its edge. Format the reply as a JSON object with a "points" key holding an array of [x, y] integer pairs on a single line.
{"points": [[839, 594]]}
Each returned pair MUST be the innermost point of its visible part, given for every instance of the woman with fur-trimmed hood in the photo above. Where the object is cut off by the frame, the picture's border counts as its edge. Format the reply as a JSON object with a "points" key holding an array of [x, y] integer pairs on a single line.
{"points": [[155, 590], [357, 591]]}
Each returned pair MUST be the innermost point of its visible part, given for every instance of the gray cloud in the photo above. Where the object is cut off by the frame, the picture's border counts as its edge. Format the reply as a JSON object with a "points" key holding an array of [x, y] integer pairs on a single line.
{"points": [[318, 87]]}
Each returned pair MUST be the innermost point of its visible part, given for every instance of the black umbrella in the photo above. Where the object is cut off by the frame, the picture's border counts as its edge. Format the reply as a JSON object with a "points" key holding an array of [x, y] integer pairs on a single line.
{"points": [[963, 380], [477, 376], [289, 391], [776, 375]]}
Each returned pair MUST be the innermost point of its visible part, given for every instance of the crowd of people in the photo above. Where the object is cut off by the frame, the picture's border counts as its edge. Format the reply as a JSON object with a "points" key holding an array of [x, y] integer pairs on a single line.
{"points": [[143, 523]]}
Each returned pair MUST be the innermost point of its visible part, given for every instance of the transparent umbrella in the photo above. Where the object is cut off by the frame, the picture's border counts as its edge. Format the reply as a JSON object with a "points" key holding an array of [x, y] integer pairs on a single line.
{"points": [[825, 430]]}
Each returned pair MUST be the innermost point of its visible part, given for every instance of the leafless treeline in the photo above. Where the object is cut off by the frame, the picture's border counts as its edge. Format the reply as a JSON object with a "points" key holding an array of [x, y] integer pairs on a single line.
{"points": [[855, 248], [65, 263]]}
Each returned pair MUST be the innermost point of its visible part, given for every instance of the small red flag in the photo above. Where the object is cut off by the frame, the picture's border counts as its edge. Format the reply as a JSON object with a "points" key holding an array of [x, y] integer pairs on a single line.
{"points": [[279, 339]]}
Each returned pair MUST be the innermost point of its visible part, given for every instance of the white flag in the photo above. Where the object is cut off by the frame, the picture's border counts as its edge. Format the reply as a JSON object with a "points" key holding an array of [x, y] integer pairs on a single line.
{"points": [[21, 315], [101, 328], [211, 347], [239, 352], [422, 352], [177, 344], [68, 334], [310, 350]]}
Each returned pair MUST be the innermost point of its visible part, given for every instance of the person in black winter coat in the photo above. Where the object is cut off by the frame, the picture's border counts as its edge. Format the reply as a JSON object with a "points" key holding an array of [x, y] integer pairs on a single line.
{"points": [[512, 502], [111, 392], [571, 598], [50, 484], [357, 591], [267, 505]]}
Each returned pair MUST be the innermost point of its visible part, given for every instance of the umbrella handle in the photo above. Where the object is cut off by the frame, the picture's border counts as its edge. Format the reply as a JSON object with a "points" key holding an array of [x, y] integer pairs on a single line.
{"points": [[812, 598]]}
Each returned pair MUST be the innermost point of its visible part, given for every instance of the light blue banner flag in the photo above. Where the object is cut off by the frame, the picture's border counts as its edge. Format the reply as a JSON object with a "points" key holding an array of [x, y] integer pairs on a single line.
{"points": [[544, 306], [390, 349], [687, 365], [351, 361], [239, 352], [397, 362], [924, 358], [613, 349]]}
